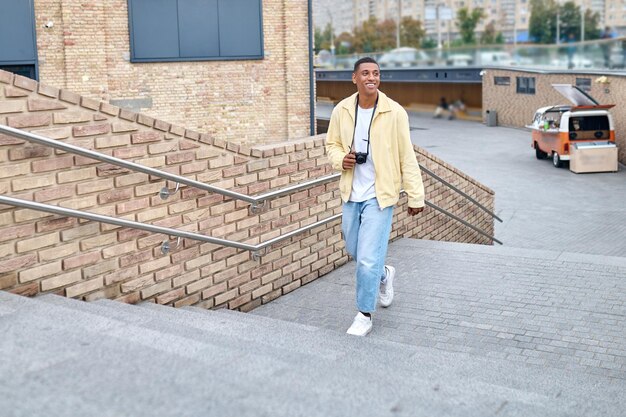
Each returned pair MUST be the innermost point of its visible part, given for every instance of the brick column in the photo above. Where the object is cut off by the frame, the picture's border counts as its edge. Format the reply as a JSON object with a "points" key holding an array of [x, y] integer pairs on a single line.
{"points": [[296, 68], [84, 43]]}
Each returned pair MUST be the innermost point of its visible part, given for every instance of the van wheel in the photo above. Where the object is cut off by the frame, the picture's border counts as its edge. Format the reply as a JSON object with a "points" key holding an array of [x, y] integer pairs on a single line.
{"points": [[539, 153], [556, 160]]}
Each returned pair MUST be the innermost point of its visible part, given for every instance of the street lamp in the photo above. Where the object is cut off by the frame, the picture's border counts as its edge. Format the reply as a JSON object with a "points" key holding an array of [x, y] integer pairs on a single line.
{"points": [[438, 13], [515, 24], [582, 22], [398, 25], [558, 22], [332, 34]]}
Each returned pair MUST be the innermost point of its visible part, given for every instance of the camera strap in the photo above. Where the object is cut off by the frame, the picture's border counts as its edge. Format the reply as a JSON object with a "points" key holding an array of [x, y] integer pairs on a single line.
{"points": [[356, 117]]}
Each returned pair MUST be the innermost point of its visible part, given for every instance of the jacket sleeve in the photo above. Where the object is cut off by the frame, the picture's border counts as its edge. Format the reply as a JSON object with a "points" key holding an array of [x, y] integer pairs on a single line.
{"points": [[410, 170], [334, 145]]}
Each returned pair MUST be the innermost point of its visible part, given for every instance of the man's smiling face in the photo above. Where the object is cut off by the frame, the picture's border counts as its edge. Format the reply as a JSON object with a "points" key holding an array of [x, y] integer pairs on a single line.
{"points": [[367, 79]]}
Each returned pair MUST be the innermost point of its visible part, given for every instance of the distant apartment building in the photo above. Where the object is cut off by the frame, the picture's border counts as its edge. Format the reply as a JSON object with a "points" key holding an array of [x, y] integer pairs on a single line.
{"points": [[438, 17], [340, 15]]}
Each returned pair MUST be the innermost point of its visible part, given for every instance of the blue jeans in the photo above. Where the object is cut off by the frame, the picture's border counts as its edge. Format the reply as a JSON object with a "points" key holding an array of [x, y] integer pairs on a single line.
{"points": [[366, 231]]}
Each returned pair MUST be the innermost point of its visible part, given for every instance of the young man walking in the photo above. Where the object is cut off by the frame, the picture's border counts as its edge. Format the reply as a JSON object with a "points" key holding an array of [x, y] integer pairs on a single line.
{"points": [[368, 140]]}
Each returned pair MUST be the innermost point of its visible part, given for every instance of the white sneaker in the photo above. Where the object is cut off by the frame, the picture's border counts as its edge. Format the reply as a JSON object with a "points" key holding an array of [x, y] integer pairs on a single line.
{"points": [[361, 325], [386, 287]]}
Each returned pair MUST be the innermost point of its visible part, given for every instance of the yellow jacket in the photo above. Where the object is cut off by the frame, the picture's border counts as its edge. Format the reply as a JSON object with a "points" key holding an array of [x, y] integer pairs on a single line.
{"points": [[391, 150]]}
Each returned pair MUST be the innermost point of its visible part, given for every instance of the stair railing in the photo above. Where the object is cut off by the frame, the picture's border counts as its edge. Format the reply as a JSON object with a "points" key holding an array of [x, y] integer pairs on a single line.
{"points": [[256, 201]]}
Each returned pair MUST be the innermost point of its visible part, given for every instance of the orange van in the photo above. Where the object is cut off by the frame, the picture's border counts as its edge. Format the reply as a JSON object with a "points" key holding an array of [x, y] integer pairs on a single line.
{"points": [[555, 129]]}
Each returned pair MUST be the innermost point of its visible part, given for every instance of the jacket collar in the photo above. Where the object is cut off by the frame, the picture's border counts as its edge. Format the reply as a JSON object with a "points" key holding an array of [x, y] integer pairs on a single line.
{"points": [[384, 104]]}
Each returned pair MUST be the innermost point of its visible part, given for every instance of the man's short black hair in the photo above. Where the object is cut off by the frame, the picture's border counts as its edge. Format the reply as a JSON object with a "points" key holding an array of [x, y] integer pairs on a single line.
{"points": [[366, 60]]}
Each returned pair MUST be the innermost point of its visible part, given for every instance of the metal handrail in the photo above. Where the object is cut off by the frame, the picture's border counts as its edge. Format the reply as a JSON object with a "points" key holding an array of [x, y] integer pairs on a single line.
{"points": [[254, 200], [255, 249], [464, 194], [452, 187], [457, 218]]}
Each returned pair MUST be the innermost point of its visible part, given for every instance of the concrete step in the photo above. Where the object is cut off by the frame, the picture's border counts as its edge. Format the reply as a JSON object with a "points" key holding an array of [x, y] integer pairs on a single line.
{"points": [[434, 364], [430, 364], [58, 365], [324, 380]]}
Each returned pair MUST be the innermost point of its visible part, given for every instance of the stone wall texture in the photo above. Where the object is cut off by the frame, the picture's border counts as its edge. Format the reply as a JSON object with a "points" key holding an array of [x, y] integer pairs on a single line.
{"points": [[517, 110], [45, 253], [255, 101]]}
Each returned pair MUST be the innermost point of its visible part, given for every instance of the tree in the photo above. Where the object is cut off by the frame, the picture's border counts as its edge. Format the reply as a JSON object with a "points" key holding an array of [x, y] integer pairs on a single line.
{"points": [[344, 44], [372, 36], [429, 43], [592, 25], [322, 38], [411, 32], [365, 36], [490, 36], [386, 35], [542, 23], [467, 21]]}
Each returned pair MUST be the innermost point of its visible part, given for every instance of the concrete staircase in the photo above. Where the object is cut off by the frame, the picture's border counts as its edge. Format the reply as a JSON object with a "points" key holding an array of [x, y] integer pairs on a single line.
{"points": [[62, 357]]}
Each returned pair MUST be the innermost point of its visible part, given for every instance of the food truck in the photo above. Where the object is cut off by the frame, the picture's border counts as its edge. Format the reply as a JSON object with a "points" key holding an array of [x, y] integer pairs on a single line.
{"points": [[557, 130]]}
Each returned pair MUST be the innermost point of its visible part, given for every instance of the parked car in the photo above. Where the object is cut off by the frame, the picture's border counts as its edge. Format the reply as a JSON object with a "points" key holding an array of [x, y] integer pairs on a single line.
{"points": [[555, 129], [495, 58], [459, 60], [405, 57], [577, 61]]}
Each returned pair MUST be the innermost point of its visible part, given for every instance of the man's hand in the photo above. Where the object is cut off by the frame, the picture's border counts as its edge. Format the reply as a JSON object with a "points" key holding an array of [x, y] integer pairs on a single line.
{"points": [[415, 210], [349, 161]]}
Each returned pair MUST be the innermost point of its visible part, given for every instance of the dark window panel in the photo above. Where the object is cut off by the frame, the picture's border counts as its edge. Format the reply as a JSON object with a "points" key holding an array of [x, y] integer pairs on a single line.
{"points": [[155, 29], [240, 28], [17, 41], [199, 33], [23, 70]]}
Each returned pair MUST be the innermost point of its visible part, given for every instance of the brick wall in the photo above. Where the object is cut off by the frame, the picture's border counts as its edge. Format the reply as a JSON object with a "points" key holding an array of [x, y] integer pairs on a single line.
{"points": [[501, 98], [41, 253], [257, 101]]}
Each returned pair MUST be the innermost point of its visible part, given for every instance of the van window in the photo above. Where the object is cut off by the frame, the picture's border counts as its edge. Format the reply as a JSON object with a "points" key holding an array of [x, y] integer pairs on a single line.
{"points": [[589, 123], [589, 127]]}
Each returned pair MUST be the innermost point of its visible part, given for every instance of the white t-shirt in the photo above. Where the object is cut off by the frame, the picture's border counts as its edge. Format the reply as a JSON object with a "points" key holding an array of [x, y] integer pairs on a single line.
{"points": [[364, 174]]}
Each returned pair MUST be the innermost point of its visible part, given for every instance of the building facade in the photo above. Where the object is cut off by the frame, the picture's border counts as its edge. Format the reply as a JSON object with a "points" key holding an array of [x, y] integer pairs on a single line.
{"points": [[243, 78]]}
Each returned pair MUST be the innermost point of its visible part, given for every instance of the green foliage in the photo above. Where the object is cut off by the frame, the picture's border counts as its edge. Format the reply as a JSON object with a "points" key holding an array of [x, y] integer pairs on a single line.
{"points": [[365, 37], [490, 36], [344, 44], [467, 21], [373, 36], [592, 25], [322, 38], [542, 22], [411, 32], [429, 43]]}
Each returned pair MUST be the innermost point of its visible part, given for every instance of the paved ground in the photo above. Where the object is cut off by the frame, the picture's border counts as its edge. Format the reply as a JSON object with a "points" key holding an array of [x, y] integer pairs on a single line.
{"points": [[542, 207], [541, 308], [553, 298]]}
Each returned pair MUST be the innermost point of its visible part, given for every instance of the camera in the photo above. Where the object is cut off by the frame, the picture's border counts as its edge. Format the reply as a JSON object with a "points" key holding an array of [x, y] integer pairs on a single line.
{"points": [[361, 157]]}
